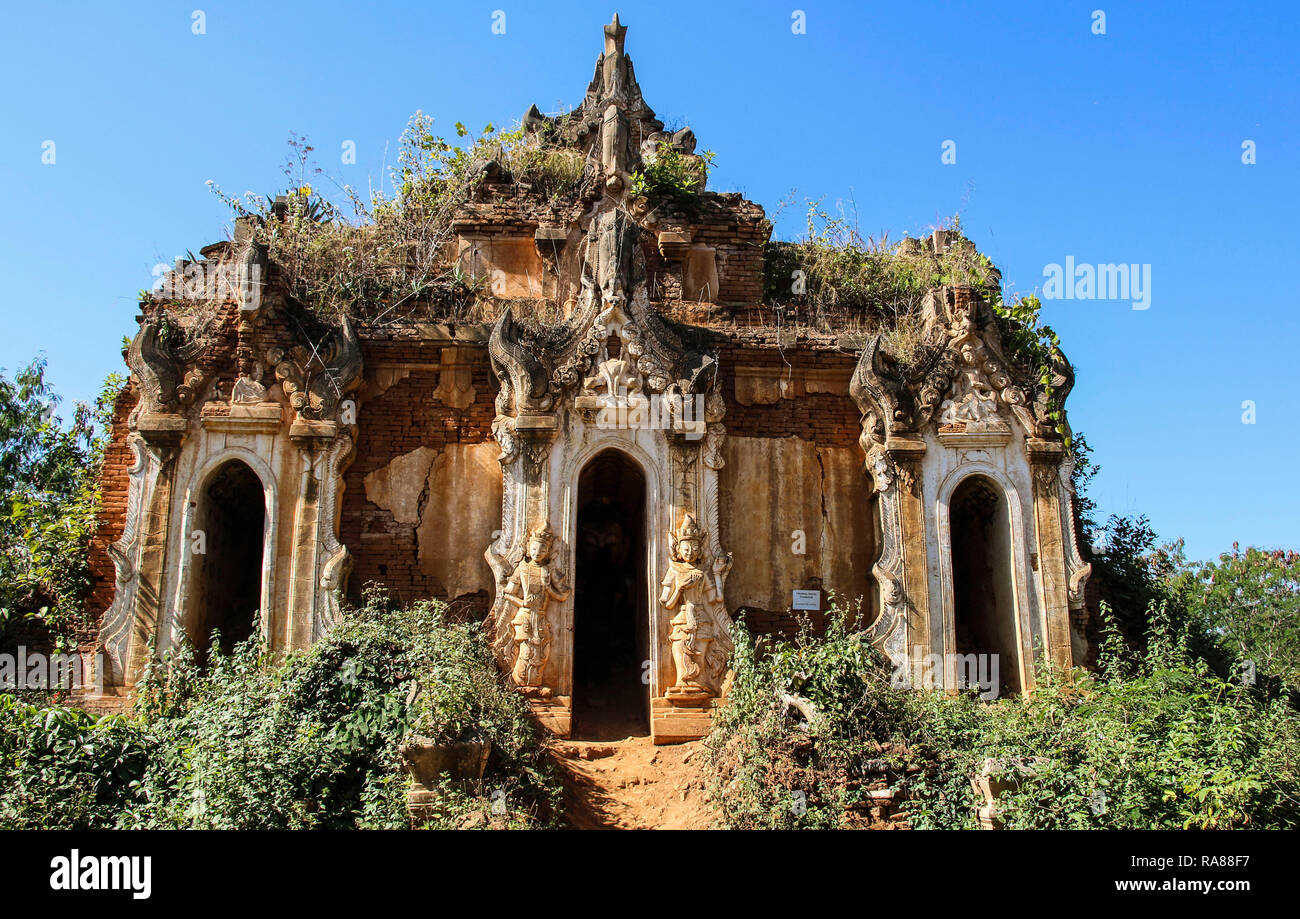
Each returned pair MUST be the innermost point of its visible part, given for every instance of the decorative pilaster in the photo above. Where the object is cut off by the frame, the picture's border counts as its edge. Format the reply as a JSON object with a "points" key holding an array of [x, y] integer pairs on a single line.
{"points": [[162, 434], [1049, 545]]}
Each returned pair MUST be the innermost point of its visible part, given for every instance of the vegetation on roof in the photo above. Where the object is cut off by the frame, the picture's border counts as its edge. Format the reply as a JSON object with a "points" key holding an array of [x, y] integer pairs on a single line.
{"points": [[392, 255]]}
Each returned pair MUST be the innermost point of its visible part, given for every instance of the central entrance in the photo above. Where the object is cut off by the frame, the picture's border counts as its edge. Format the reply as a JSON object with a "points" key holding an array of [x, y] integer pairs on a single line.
{"points": [[611, 694]]}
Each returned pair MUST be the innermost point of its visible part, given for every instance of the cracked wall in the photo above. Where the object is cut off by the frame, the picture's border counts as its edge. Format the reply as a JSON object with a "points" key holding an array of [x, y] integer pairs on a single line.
{"points": [[788, 486]]}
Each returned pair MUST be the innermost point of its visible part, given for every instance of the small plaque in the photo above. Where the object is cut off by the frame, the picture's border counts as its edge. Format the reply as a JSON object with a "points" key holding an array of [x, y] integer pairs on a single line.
{"points": [[807, 600]]}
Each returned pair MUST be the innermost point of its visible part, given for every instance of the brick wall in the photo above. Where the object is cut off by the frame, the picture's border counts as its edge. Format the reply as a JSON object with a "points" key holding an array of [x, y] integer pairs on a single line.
{"points": [[825, 418], [114, 481], [398, 421]]}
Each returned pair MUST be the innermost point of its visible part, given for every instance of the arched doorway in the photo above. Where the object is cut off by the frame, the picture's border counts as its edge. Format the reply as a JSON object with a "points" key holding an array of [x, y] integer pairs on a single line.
{"points": [[611, 634], [225, 550], [984, 607]]}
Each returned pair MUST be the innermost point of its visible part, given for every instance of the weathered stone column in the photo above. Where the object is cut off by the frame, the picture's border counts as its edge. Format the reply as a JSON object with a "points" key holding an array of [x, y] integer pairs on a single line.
{"points": [[1049, 545], [906, 454], [162, 433], [313, 439]]}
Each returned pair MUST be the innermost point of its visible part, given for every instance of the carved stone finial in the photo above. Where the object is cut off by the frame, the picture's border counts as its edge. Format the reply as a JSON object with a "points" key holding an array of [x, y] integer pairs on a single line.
{"points": [[614, 34]]}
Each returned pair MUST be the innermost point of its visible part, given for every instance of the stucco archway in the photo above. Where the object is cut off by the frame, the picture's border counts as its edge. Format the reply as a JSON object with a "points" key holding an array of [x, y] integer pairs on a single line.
{"points": [[225, 550]]}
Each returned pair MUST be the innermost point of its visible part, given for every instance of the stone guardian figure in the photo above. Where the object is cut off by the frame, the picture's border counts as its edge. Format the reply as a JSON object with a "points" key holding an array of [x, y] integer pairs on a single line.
{"points": [[531, 588], [692, 594]]}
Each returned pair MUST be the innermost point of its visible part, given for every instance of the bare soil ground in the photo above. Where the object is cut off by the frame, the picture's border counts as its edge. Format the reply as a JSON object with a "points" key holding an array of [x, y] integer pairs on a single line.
{"points": [[631, 784]]}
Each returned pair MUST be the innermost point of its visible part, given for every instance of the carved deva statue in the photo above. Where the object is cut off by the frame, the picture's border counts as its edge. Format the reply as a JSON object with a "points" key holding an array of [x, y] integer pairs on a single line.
{"points": [[531, 588], [699, 628]]}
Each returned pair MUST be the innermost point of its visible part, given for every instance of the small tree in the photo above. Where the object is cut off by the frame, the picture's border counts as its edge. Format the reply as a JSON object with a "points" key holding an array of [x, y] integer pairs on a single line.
{"points": [[49, 497], [1249, 601]]}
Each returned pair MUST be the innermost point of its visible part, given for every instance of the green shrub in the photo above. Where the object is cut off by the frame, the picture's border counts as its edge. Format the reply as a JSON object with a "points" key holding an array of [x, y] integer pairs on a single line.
{"points": [[1248, 602], [672, 176], [1157, 741], [63, 768], [310, 741], [836, 278], [771, 767], [49, 498]]}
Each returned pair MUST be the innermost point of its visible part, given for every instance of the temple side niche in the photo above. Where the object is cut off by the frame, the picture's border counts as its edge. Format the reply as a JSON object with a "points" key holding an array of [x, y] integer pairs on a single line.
{"points": [[972, 482], [240, 435]]}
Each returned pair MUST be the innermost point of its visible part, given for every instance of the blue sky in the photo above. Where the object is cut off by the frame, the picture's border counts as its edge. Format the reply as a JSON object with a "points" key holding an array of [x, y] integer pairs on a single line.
{"points": [[1117, 148]]}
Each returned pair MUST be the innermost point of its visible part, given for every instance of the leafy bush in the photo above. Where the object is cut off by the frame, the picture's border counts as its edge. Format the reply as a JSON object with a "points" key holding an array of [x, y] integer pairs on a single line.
{"points": [[1152, 741], [672, 176], [63, 768], [1029, 343], [1247, 602], [773, 768], [49, 498], [309, 741]]}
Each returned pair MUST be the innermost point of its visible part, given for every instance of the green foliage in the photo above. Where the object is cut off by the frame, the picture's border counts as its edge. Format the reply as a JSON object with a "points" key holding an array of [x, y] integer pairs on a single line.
{"points": [[309, 741], [1153, 741], [672, 176], [63, 768], [1249, 601], [770, 768], [49, 498], [384, 257], [837, 273], [1033, 345]]}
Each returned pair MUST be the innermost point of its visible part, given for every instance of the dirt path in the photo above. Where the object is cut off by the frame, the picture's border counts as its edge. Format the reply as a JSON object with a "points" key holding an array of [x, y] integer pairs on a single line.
{"points": [[633, 785]]}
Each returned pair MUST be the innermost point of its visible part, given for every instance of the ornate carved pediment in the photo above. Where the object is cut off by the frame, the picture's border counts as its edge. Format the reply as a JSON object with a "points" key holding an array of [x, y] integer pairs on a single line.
{"points": [[315, 378], [614, 347], [961, 381]]}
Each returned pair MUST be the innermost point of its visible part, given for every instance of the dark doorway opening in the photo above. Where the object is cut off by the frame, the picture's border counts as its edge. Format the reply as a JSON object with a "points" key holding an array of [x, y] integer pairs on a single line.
{"points": [[611, 633], [226, 548], [984, 617]]}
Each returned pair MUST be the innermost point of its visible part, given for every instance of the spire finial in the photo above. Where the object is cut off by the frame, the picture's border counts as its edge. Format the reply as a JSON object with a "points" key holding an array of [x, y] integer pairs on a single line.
{"points": [[614, 33]]}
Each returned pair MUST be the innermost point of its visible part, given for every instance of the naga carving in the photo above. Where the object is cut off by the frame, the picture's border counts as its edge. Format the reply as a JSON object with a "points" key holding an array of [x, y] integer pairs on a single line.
{"points": [[163, 356], [517, 364], [316, 380]]}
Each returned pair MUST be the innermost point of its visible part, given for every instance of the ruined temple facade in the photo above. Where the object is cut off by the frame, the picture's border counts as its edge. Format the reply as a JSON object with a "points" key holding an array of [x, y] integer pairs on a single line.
{"points": [[609, 489]]}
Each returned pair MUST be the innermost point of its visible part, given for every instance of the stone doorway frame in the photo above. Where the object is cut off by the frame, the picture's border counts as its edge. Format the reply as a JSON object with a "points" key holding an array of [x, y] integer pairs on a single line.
{"points": [[1027, 631], [180, 611]]}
